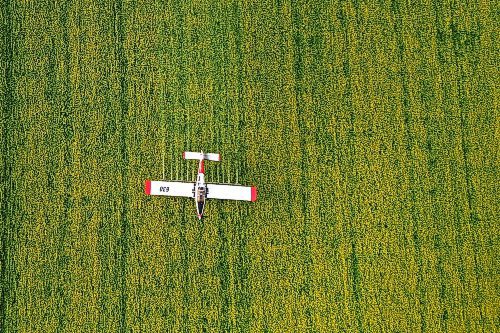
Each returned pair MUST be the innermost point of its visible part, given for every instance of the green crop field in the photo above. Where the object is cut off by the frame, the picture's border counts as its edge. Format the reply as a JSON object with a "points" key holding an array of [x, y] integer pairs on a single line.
{"points": [[370, 128]]}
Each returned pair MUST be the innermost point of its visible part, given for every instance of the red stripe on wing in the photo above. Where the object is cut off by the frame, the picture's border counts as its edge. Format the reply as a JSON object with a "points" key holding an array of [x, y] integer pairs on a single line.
{"points": [[147, 187], [254, 193]]}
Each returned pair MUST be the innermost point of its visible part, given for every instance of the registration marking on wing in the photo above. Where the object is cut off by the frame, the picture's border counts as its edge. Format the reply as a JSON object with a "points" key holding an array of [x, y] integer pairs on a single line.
{"points": [[173, 189]]}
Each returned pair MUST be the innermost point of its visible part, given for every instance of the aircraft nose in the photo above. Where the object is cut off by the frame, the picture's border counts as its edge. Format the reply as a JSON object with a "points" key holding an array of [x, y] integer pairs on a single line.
{"points": [[199, 216]]}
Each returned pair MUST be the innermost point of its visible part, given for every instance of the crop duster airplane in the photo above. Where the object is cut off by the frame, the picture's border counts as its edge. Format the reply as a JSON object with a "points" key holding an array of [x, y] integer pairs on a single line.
{"points": [[200, 190]]}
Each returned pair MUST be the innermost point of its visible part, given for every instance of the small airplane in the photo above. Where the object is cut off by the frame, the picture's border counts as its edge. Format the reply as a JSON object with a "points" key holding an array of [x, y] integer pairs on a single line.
{"points": [[200, 190]]}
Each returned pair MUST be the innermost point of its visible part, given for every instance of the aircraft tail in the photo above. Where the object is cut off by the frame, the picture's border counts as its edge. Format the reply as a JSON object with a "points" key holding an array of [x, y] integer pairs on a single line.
{"points": [[189, 155]]}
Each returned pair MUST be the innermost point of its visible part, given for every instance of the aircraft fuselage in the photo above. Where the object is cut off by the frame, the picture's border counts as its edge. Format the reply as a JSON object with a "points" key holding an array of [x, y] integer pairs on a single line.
{"points": [[200, 189]]}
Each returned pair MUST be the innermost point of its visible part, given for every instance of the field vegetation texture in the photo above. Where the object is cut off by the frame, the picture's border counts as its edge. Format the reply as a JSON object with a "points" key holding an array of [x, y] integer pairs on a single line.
{"points": [[371, 130]]}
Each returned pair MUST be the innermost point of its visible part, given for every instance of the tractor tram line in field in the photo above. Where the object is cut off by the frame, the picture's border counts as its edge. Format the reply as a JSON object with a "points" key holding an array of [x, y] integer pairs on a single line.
{"points": [[7, 264]]}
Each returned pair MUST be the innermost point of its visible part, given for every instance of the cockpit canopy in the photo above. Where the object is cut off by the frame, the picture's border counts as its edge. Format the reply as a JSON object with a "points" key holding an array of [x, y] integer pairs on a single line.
{"points": [[200, 199], [201, 194]]}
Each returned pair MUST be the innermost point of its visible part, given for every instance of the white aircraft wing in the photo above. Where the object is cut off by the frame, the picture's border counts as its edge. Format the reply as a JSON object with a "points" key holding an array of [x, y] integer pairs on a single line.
{"points": [[174, 189], [231, 192]]}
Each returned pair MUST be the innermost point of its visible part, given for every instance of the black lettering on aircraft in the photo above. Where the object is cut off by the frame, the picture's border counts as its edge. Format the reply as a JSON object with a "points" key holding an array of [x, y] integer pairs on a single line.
{"points": [[164, 189]]}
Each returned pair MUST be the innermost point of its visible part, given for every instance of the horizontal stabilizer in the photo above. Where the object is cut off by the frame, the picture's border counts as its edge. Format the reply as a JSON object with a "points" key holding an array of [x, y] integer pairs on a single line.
{"points": [[190, 155]]}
